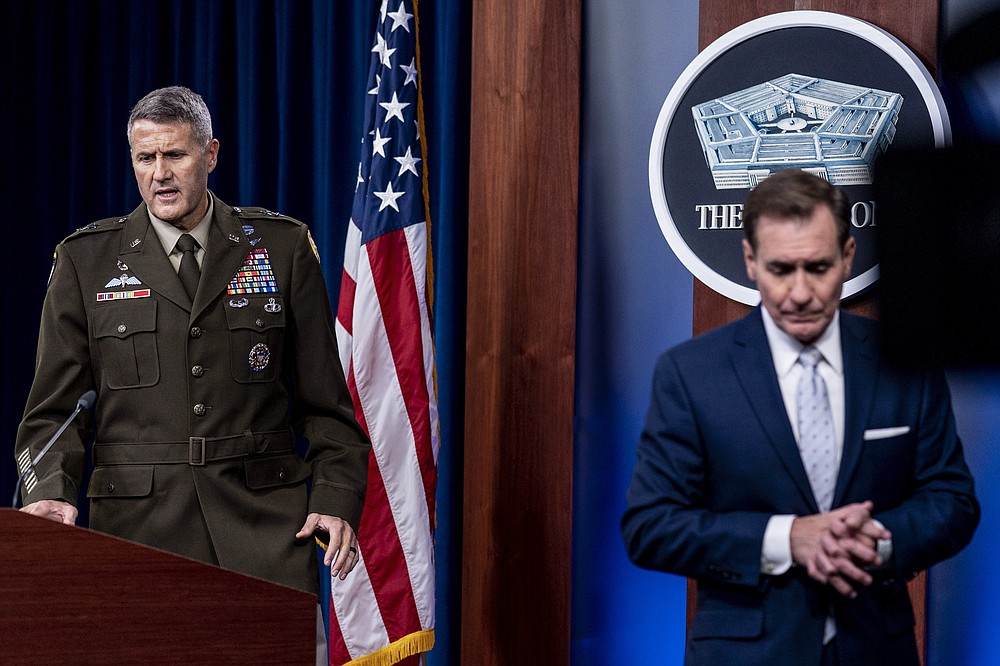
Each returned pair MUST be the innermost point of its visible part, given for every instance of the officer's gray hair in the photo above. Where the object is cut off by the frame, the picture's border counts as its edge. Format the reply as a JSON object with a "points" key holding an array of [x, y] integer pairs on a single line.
{"points": [[174, 104]]}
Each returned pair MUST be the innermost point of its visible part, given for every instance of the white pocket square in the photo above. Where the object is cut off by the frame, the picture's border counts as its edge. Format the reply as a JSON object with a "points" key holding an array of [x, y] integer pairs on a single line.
{"points": [[883, 433]]}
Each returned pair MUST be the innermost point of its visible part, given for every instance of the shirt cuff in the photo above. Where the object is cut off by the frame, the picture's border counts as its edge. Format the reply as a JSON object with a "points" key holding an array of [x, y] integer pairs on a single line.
{"points": [[776, 551]]}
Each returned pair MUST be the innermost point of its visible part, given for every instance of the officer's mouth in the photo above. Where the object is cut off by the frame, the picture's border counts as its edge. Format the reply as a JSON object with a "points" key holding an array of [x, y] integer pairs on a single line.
{"points": [[167, 196]]}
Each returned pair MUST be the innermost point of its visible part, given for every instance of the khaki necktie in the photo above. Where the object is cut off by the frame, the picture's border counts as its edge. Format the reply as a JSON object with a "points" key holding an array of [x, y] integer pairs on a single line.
{"points": [[189, 271]]}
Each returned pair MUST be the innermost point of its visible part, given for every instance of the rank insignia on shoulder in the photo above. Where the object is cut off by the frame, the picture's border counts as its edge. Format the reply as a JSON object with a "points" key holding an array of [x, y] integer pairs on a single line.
{"points": [[124, 280]]}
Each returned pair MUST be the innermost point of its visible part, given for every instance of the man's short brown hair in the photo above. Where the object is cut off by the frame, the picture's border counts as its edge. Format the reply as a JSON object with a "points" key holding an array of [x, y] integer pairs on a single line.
{"points": [[794, 194]]}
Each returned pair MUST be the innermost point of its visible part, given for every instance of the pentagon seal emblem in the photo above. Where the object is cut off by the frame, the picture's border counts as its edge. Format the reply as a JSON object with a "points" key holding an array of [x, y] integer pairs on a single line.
{"points": [[817, 91]]}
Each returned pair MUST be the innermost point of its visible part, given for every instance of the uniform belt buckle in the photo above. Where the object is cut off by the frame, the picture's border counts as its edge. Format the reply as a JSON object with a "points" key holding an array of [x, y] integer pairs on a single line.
{"points": [[196, 451]]}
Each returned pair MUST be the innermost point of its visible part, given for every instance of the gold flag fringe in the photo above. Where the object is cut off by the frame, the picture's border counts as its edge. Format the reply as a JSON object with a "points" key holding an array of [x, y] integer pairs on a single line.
{"points": [[421, 641]]}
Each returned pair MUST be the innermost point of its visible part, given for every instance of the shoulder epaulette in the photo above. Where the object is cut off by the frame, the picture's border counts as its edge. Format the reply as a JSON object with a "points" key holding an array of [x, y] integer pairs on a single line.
{"points": [[258, 213], [107, 224]]}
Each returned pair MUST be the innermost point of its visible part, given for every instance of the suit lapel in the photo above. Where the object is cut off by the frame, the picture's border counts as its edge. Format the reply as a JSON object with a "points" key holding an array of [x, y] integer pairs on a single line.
{"points": [[227, 249], [754, 368], [860, 375], [142, 251]]}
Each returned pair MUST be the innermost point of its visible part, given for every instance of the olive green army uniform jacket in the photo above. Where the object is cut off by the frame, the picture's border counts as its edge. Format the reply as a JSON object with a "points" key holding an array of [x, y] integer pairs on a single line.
{"points": [[198, 403]]}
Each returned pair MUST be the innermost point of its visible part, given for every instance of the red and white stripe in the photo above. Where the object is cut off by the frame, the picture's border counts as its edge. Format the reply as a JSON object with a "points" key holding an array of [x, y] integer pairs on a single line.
{"points": [[383, 328]]}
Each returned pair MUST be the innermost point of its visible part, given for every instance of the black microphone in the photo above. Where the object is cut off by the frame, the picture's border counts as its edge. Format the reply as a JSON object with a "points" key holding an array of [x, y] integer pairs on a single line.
{"points": [[84, 403]]}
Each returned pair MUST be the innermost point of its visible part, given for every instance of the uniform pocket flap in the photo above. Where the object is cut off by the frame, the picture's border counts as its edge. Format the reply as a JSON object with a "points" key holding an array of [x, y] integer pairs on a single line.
{"points": [[121, 481], [727, 624], [125, 318], [274, 471], [257, 313]]}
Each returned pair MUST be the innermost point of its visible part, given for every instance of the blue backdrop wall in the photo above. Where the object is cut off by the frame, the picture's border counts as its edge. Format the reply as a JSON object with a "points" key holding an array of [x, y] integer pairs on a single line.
{"points": [[634, 300]]}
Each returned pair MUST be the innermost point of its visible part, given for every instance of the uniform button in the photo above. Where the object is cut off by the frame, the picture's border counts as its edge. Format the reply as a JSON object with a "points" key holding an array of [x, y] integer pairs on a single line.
{"points": [[200, 409], [197, 371], [196, 331], [260, 322], [122, 328], [111, 487]]}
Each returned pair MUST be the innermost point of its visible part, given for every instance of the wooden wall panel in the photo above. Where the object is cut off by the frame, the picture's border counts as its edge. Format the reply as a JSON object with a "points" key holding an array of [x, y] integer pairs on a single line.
{"points": [[517, 538], [913, 22]]}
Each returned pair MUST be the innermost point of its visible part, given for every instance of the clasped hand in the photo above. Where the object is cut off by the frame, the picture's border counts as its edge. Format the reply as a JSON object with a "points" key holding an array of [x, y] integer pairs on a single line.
{"points": [[836, 547]]}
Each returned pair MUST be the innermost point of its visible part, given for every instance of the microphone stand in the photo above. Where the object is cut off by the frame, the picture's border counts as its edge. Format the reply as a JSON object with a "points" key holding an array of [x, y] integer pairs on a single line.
{"points": [[85, 401]]}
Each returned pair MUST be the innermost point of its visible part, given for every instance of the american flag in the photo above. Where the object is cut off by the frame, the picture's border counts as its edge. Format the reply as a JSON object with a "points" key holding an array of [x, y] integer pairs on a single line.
{"points": [[384, 612]]}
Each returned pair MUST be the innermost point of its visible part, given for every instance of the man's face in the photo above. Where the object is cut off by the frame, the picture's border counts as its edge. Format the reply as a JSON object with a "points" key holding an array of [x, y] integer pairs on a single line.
{"points": [[799, 269], [172, 170]]}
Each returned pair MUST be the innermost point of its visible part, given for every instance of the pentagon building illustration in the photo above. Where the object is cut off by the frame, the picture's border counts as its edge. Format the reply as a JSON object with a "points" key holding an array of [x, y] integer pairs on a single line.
{"points": [[835, 130]]}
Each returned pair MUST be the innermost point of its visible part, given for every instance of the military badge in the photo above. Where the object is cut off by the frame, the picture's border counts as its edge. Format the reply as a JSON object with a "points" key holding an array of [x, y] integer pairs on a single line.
{"points": [[255, 275], [124, 280], [122, 266], [260, 355], [55, 256], [271, 306], [241, 303], [119, 295], [248, 229], [312, 244]]}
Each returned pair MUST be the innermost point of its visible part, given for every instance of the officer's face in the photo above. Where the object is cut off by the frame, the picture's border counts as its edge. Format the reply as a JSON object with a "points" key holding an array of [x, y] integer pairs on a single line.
{"points": [[800, 270], [172, 170]]}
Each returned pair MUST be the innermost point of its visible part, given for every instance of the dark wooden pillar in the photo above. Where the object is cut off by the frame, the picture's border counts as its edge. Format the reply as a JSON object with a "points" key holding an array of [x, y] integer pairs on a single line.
{"points": [[913, 22], [517, 538]]}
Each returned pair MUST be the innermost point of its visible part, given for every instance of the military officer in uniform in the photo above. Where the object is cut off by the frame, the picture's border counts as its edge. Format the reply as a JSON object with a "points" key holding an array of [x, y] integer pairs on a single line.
{"points": [[207, 334]]}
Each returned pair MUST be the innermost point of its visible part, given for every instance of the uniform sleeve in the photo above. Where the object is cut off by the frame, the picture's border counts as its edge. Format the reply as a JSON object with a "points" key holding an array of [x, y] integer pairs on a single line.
{"points": [[62, 375], [322, 409]]}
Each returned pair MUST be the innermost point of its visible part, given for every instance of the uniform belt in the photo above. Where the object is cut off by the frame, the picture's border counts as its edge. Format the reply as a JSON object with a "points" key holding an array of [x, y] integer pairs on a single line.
{"points": [[194, 450]]}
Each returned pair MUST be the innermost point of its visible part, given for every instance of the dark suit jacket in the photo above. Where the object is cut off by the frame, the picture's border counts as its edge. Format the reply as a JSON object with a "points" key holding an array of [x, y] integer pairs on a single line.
{"points": [[169, 372], [718, 458]]}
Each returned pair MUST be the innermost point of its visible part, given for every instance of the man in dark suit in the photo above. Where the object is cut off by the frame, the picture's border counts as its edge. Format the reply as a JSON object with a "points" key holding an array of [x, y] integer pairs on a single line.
{"points": [[788, 470], [206, 332]]}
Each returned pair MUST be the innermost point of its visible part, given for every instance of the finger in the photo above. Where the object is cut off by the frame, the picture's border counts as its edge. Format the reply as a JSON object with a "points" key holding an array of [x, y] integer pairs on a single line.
{"points": [[847, 569], [333, 551], [309, 526], [831, 546], [862, 552], [352, 561], [843, 587], [873, 530], [857, 515], [346, 553]]}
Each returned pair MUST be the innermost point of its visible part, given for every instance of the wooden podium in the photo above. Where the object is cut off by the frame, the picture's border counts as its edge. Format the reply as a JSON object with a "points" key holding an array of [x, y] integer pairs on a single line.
{"points": [[73, 596]]}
